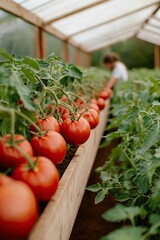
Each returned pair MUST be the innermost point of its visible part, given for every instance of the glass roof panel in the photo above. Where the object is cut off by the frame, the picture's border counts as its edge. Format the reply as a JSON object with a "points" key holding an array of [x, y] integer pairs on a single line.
{"points": [[53, 9], [152, 29], [110, 42], [109, 28], [99, 14]]}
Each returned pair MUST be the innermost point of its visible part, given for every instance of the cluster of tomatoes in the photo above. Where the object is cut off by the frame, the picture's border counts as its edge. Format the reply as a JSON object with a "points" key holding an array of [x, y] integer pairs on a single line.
{"points": [[34, 177]]}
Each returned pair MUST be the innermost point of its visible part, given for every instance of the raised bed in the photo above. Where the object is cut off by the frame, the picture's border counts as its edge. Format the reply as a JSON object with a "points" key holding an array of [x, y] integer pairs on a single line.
{"points": [[57, 220]]}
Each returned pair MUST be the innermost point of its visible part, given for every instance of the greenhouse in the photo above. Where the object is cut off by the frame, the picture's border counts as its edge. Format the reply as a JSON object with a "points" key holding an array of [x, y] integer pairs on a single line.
{"points": [[79, 120]]}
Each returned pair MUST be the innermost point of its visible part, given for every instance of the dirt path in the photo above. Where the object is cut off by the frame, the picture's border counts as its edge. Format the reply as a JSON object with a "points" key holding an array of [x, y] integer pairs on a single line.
{"points": [[89, 225]]}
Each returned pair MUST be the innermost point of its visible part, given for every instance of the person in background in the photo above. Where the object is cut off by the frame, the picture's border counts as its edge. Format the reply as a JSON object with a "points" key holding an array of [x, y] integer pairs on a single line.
{"points": [[119, 70]]}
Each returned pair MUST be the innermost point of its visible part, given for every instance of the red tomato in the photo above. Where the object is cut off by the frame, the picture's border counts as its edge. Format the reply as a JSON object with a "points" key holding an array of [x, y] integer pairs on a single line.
{"points": [[92, 117], [93, 100], [50, 123], [64, 98], [52, 146], [11, 157], [18, 209], [75, 132], [101, 103], [43, 179], [62, 110], [106, 93], [94, 106]]}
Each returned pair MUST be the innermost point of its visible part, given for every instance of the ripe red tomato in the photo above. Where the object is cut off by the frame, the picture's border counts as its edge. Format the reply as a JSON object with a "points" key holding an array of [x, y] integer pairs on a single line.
{"points": [[43, 179], [101, 103], [18, 209], [92, 117], [50, 123], [75, 132], [11, 157], [62, 110], [94, 106], [52, 146], [93, 100], [106, 93]]}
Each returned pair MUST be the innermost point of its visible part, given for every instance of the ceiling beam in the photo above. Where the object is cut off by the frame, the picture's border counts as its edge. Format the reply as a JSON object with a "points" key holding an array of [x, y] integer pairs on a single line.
{"points": [[109, 21], [21, 12], [75, 11]]}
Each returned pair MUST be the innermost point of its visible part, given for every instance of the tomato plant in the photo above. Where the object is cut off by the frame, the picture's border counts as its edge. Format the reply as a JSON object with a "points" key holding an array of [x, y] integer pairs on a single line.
{"points": [[131, 172], [18, 209], [43, 178]]}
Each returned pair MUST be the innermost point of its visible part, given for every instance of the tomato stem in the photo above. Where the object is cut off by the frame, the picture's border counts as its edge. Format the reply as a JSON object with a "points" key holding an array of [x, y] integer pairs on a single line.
{"points": [[31, 164], [31, 122]]}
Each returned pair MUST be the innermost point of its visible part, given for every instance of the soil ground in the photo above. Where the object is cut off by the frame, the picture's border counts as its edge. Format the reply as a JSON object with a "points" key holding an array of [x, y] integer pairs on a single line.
{"points": [[89, 225]]}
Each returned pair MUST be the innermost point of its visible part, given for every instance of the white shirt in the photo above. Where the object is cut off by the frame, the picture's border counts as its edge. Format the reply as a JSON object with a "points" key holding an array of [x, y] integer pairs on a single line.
{"points": [[120, 72]]}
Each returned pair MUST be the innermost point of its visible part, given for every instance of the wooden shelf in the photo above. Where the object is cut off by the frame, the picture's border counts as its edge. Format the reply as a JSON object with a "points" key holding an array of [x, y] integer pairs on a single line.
{"points": [[57, 220]]}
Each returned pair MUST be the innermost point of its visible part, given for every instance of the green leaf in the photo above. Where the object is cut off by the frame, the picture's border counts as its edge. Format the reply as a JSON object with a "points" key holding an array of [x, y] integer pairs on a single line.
{"points": [[109, 138], [126, 233], [132, 114], [23, 91], [154, 218], [5, 55], [31, 62], [151, 138], [95, 187], [105, 176], [66, 80], [100, 196], [74, 71], [141, 179], [157, 154], [121, 213]]}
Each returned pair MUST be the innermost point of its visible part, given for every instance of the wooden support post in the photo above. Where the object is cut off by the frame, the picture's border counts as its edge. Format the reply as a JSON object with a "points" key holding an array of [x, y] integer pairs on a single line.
{"points": [[40, 45], [65, 52], [78, 57], [87, 60], [157, 56]]}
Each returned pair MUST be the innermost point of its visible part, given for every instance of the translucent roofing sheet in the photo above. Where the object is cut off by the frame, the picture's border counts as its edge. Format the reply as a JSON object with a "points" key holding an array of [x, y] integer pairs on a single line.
{"points": [[111, 41], [154, 22], [148, 38], [51, 9], [117, 25], [99, 14], [112, 36], [152, 29]]}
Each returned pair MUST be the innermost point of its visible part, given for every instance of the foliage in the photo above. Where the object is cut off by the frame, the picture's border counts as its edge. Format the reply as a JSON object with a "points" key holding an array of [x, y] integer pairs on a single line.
{"points": [[132, 171]]}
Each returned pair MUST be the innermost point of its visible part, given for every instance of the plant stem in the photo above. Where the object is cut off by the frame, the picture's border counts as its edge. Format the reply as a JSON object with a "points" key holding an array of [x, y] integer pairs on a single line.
{"points": [[30, 121], [29, 161]]}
